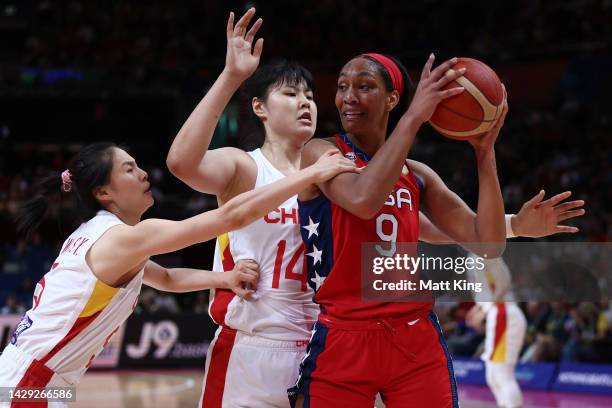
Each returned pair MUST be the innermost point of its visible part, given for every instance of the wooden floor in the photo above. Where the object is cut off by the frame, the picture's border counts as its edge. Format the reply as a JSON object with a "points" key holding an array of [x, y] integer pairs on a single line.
{"points": [[174, 389]]}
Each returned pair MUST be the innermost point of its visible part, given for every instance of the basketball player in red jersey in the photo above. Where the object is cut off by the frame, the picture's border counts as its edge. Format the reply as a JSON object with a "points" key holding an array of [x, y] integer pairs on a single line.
{"points": [[361, 348]]}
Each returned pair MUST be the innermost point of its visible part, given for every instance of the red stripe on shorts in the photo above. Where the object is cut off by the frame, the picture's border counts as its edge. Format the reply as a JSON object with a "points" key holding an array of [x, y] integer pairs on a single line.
{"points": [[217, 369], [500, 326], [37, 375]]}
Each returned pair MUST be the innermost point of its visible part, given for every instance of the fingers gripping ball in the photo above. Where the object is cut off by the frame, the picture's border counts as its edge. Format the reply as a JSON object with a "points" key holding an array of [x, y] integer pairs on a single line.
{"points": [[474, 111]]}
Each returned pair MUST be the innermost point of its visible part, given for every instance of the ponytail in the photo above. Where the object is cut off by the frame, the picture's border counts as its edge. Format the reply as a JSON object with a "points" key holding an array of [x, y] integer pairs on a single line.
{"points": [[31, 213], [90, 168]]}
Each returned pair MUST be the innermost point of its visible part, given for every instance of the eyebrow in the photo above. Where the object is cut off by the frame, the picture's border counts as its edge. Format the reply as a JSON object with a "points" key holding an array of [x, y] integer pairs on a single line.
{"points": [[297, 87], [362, 73], [129, 162]]}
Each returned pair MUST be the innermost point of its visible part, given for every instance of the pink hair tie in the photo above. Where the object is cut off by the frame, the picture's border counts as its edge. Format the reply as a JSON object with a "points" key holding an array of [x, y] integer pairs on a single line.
{"points": [[66, 181]]}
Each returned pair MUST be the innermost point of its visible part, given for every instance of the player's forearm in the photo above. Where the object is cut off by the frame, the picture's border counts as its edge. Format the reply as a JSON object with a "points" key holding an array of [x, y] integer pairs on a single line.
{"points": [[189, 280], [193, 139], [377, 180], [248, 207], [489, 221]]}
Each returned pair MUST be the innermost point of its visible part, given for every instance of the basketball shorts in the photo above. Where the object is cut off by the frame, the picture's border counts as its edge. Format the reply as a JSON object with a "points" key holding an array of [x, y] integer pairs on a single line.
{"points": [[505, 332], [18, 369], [249, 371], [349, 362]]}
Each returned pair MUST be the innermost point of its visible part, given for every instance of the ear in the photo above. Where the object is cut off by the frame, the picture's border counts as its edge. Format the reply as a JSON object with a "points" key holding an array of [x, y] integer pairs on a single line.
{"points": [[259, 108], [392, 100], [102, 194]]}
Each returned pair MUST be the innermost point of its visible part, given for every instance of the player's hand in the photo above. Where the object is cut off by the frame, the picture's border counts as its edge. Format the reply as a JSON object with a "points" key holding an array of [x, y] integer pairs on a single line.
{"points": [[332, 163], [242, 57], [539, 218], [242, 280], [429, 89], [485, 142]]}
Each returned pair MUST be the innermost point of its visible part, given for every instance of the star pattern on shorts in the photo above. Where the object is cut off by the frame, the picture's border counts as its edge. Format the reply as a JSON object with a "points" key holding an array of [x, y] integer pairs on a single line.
{"points": [[318, 280], [316, 255], [311, 227]]}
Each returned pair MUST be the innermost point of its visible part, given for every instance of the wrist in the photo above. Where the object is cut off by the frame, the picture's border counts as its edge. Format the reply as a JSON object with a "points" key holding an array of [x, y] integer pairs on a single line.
{"points": [[224, 280], [231, 78], [484, 155], [411, 123], [511, 226], [312, 174]]}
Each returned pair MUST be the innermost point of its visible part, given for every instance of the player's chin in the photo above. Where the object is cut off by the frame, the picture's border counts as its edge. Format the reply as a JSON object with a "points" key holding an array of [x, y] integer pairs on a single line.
{"points": [[305, 132], [351, 126]]}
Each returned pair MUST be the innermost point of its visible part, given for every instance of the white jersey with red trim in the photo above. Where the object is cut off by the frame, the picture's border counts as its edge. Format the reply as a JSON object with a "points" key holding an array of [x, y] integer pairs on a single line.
{"points": [[73, 313], [282, 307], [496, 282]]}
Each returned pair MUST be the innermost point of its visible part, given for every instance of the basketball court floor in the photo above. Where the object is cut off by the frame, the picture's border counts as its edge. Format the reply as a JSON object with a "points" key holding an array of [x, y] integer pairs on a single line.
{"points": [[178, 389]]}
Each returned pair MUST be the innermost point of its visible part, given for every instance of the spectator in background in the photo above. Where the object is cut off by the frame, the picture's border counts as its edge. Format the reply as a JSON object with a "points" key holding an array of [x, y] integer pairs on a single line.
{"points": [[12, 307], [550, 335]]}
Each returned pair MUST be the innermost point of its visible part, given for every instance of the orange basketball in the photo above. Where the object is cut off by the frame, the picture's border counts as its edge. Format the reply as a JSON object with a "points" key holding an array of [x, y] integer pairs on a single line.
{"points": [[475, 110]]}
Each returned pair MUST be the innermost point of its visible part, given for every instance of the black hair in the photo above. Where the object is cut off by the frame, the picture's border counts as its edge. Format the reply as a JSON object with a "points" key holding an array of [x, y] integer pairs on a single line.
{"points": [[90, 168], [269, 76], [405, 98]]}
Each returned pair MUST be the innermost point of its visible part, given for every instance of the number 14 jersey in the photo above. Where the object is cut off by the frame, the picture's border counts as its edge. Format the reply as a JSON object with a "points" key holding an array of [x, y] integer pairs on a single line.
{"points": [[333, 237], [282, 307]]}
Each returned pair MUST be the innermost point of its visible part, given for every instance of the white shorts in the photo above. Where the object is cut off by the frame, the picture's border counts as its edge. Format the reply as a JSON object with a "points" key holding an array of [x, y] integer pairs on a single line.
{"points": [[505, 332], [250, 371], [16, 366]]}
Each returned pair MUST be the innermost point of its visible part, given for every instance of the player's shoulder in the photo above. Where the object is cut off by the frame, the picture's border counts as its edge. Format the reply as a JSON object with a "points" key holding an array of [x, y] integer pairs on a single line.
{"points": [[314, 148], [321, 143], [421, 170]]}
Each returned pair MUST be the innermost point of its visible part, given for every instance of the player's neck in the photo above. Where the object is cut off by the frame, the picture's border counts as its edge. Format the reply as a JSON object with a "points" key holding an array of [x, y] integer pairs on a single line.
{"points": [[369, 145], [284, 155], [125, 216]]}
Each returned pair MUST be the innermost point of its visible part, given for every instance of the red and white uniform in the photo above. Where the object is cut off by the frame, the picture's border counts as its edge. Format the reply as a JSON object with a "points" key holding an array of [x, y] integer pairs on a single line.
{"points": [[73, 316], [360, 348], [257, 350], [505, 330], [505, 322]]}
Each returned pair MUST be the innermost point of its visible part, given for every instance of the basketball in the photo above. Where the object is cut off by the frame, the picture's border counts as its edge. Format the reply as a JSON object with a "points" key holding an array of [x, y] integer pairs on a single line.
{"points": [[474, 111]]}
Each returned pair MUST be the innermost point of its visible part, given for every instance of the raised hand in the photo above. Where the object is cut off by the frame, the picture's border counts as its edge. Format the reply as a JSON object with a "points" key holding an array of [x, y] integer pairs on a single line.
{"points": [[539, 218], [243, 278], [330, 164], [429, 89], [486, 141], [242, 57]]}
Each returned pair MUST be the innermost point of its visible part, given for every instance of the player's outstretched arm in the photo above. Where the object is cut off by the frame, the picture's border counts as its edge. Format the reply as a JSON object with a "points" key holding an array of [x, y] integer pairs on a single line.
{"points": [[245, 274], [189, 158], [124, 248], [364, 194], [536, 219]]}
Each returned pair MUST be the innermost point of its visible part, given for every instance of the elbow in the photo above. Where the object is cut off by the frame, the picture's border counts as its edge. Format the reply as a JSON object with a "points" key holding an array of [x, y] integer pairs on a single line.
{"points": [[366, 208], [174, 165]]}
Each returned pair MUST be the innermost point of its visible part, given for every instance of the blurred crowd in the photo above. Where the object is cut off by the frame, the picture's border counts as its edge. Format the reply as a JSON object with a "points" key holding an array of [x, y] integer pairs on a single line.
{"points": [[556, 331], [76, 71]]}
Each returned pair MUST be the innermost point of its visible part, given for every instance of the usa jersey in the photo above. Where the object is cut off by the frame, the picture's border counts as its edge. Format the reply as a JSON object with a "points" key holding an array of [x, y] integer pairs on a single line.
{"points": [[73, 313], [281, 308], [333, 238]]}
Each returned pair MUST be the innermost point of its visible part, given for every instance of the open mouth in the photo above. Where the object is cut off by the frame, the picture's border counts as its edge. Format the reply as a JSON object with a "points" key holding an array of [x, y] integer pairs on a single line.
{"points": [[306, 117], [352, 115]]}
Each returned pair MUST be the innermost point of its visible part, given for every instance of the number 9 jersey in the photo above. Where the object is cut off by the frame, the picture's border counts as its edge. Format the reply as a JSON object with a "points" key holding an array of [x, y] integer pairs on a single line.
{"points": [[333, 237]]}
